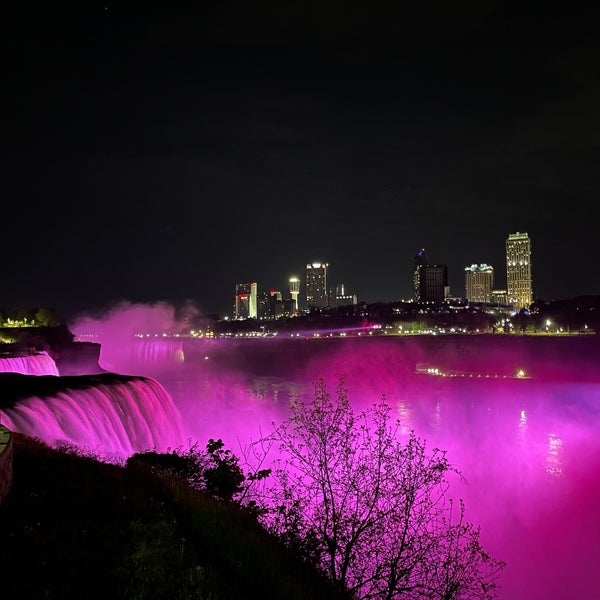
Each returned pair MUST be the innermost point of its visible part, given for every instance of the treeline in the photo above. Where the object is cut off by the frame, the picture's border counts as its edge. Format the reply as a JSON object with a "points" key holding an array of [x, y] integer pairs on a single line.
{"points": [[29, 317]]}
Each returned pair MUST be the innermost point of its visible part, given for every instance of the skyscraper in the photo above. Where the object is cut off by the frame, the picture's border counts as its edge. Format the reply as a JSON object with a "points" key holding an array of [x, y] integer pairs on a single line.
{"points": [[430, 281], [246, 301], [519, 286], [479, 281], [316, 285]]}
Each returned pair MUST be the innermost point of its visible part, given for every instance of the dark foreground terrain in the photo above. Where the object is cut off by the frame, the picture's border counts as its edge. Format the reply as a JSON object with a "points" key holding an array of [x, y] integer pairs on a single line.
{"points": [[74, 527]]}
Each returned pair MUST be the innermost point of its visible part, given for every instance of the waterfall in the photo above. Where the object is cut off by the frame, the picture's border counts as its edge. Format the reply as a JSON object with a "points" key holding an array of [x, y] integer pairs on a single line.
{"points": [[39, 363], [137, 356], [109, 415], [159, 351]]}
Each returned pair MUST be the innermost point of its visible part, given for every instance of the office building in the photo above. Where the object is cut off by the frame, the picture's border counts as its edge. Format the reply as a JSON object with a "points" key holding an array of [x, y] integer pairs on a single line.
{"points": [[267, 302], [340, 297], [519, 286], [246, 301], [316, 285], [479, 282], [430, 281]]}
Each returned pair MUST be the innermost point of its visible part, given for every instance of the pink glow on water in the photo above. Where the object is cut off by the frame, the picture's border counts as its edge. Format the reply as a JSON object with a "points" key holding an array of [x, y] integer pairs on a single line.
{"points": [[39, 363], [529, 449], [108, 417]]}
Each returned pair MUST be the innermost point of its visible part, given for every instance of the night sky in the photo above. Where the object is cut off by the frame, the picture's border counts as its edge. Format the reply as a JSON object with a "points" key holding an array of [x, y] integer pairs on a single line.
{"points": [[157, 153]]}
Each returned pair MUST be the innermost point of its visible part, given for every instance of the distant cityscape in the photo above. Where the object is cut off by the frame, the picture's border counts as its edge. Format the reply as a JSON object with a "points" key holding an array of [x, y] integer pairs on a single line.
{"points": [[430, 285], [310, 307]]}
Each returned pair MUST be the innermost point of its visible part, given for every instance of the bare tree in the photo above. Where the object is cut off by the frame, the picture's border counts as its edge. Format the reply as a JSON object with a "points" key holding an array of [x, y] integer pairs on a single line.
{"points": [[371, 509]]}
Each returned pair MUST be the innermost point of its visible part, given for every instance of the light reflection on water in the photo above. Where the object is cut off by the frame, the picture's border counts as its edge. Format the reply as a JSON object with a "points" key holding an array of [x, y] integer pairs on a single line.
{"points": [[554, 457]]}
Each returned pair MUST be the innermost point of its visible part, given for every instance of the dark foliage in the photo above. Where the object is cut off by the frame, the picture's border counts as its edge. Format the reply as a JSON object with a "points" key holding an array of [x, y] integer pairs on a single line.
{"points": [[76, 528]]}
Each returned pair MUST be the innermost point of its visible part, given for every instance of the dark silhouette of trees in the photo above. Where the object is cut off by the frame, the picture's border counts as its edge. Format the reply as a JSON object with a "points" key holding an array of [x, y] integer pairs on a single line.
{"points": [[371, 510]]}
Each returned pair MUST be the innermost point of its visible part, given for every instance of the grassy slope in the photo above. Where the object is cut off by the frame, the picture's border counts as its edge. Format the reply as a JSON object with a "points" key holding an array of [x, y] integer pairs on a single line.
{"points": [[73, 527]]}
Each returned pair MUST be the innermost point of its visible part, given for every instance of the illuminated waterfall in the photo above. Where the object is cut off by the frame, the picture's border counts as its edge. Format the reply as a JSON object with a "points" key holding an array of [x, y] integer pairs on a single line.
{"points": [[110, 415], [136, 355], [158, 351], [39, 363]]}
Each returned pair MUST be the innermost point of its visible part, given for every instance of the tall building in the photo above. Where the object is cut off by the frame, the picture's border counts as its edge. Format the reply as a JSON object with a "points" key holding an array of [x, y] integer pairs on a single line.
{"points": [[294, 284], [479, 282], [267, 302], [316, 285], [339, 297], [246, 301], [519, 286], [430, 280]]}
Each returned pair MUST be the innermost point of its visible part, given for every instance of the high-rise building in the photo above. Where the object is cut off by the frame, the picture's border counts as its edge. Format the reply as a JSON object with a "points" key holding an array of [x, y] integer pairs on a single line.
{"points": [[519, 285], [263, 309], [316, 285], [246, 301], [430, 281], [479, 282], [294, 284], [267, 302], [339, 297]]}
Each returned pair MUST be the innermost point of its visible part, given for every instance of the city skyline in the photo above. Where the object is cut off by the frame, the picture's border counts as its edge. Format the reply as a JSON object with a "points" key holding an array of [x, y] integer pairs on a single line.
{"points": [[430, 282], [165, 154]]}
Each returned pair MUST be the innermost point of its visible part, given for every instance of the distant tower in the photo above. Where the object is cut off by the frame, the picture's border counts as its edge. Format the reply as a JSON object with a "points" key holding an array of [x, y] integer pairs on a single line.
{"points": [[479, 281], [430, 281], [519, 286], [294, 291], [316, 285], [418, 275], [246, 301]]}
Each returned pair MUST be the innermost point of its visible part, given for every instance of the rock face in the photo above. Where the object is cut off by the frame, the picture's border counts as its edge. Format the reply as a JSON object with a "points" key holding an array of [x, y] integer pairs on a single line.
{"points": [[78, 358]]}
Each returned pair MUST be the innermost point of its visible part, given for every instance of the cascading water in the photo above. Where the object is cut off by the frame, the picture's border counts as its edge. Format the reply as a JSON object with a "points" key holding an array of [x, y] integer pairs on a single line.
{"points": [[40, 363], [109, 415]]}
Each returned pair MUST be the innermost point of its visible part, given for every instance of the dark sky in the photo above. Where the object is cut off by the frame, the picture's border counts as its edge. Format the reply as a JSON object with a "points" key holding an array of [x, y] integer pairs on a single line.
{"points": [[158, 153]]}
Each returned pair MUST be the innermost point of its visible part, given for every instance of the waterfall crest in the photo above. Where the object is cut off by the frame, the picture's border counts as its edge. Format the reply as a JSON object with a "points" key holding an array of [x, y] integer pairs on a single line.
{"points": [[40, 363], [112, 416]]}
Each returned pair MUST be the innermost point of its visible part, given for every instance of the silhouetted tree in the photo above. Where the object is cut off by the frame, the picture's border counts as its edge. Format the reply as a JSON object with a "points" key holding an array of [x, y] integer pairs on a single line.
{"points": [[215, 470], [222, 474], [46, 317], [370, 510]]}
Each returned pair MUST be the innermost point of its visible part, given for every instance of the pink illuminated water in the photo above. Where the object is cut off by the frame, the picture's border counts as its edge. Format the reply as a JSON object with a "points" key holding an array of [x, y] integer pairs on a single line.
{"points": [[112, 417], [39, 363], [528, 448]]}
